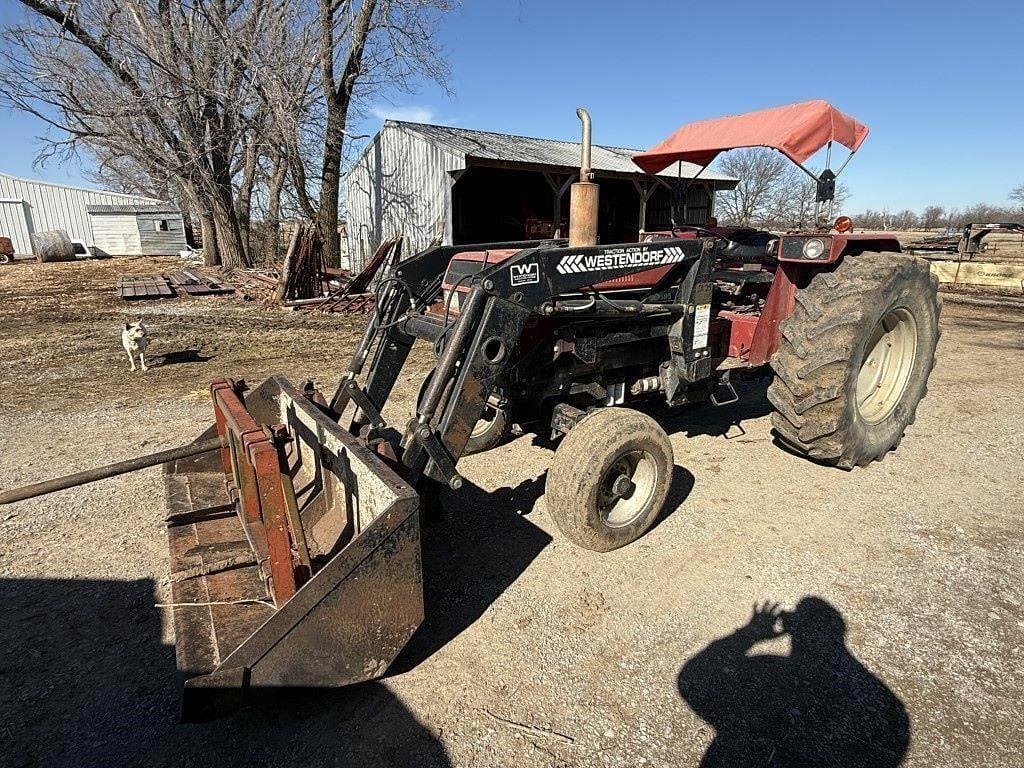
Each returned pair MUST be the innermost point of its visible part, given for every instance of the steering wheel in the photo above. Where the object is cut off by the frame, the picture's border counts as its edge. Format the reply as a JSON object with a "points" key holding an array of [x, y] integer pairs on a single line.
{"points": [[700, 230]]}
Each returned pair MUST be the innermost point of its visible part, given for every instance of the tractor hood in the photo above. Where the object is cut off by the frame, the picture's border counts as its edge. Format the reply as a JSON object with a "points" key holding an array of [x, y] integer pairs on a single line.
{"points": [[796, 130]]}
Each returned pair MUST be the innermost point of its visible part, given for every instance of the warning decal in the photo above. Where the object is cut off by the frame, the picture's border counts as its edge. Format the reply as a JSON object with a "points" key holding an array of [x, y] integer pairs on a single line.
{"points": [[701, 322]]}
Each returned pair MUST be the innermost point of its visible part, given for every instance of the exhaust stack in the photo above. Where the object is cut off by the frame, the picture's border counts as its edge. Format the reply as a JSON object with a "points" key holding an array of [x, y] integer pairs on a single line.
{"points": [[583, 195]]}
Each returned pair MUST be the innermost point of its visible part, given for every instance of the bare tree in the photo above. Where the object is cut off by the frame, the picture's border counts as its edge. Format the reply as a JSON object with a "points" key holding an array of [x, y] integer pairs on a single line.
{"points": [[932, 216], [222, 106], [904, 220], [1017, 195], [936, 216], [759, 173], [771, 193], [172, 88], [364, 46]]}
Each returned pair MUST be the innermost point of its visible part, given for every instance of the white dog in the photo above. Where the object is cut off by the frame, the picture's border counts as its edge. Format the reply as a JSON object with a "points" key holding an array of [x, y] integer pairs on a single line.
{"points": [[135, 340]]}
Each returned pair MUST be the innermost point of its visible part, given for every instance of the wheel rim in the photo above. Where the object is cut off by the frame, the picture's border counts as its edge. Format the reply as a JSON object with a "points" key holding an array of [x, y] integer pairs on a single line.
{"points": [[627, 488], [485, 422], [887, 366]]}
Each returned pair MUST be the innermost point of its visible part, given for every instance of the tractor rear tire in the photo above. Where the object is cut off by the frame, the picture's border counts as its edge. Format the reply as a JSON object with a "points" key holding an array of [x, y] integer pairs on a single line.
{"points": [[854, 359], [609, 479]]}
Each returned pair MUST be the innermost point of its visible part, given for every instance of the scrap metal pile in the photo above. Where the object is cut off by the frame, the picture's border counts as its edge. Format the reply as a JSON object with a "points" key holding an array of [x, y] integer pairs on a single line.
{"points": [[305, 282], [354, 295], [302, 276]]}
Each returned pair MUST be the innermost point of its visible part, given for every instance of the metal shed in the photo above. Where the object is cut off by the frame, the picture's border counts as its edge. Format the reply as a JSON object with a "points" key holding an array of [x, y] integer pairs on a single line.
{"points": [[433, 182], [136, 230], [28, 206]]}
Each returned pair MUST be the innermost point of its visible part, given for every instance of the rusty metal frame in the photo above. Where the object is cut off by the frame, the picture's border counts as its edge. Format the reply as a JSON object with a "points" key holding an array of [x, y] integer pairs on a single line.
{"points": [[252, 471]]}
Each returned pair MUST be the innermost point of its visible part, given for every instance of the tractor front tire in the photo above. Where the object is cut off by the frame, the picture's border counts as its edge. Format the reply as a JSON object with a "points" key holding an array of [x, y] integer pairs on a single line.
{"points": [[492, 427], [854, 359], [609, 479]]}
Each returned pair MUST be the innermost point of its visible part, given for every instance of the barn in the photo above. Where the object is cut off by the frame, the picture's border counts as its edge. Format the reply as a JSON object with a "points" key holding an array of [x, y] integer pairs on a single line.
{"points": [[455, 185], [28, 206]]}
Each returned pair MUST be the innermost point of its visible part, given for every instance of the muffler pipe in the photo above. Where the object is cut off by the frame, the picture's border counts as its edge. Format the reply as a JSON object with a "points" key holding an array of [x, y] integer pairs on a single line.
{"points": [[583, 195], [586, 174]]}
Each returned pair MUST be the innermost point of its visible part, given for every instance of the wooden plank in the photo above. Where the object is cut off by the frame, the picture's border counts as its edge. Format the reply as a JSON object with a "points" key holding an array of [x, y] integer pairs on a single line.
{"points": [[135, 287], [197, 284]]}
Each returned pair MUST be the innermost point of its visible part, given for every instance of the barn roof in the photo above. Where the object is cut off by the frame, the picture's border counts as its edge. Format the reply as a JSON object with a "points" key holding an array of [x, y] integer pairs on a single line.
{"points": [[123, 209], [504, 147], [8, 178]]}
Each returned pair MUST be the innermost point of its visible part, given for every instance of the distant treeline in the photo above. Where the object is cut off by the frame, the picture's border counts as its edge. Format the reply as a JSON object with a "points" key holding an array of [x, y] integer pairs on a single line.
{"points": [[937, 217], [772, 193]]}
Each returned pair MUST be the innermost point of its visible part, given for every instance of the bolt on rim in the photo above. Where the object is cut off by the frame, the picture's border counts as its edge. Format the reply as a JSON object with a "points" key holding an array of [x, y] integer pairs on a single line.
{"points": [[627, 488], [888, 365]]}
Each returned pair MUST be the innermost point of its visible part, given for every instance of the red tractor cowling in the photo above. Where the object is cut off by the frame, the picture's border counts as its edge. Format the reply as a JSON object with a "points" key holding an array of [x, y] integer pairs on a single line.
{"points": [[741, 337], [754, 336]]}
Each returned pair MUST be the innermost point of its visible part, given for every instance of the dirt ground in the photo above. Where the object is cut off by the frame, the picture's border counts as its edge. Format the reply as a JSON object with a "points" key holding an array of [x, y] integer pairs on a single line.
{"points": [[906, 648]]}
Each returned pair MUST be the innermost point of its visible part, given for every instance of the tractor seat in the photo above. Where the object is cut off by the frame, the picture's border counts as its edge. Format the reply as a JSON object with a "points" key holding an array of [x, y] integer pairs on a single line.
{"points": [[750, 247]]}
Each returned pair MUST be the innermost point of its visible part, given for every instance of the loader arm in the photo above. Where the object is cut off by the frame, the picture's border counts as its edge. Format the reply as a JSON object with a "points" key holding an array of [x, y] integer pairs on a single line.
{"points": [[479, 349], [414, 285]]}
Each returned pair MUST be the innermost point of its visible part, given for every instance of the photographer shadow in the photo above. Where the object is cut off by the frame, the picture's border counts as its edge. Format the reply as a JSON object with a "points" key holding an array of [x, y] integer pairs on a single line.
{"points": [[818, 706]]}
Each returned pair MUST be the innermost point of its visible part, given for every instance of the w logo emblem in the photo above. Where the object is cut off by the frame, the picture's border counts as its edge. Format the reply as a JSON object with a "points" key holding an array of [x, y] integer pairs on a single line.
{"points": [[524, 274]]}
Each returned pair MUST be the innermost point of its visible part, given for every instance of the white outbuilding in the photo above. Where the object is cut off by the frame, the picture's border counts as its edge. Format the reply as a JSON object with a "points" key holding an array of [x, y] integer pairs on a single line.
{"points": [[435, 183], [136, 230], [28, 206]]}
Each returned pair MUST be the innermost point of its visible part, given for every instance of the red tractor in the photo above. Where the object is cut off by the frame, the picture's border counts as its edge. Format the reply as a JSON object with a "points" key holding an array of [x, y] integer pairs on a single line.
{"points": [[315, 579], [847, 324]]}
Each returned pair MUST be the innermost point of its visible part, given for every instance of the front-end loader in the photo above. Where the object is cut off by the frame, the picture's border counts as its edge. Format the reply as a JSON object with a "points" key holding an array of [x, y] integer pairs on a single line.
{"points": [[294, 520]]}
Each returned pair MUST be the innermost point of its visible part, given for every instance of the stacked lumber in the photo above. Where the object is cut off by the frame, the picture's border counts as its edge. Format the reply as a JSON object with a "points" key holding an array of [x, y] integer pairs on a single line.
{"points": [[138, 287], [187, 282], [193, 283]]}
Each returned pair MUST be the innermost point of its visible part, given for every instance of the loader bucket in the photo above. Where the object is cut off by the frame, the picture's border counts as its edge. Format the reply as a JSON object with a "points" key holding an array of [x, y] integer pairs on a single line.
{"points": [[295, 553]]}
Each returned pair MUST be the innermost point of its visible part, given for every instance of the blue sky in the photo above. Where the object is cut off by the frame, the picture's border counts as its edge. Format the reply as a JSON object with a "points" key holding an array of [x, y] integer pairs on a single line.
{"points": [[939, 83]]}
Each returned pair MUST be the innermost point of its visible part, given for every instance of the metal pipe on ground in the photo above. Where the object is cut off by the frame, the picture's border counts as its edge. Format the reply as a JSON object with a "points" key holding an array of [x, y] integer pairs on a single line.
{"points": [[110, 470]]}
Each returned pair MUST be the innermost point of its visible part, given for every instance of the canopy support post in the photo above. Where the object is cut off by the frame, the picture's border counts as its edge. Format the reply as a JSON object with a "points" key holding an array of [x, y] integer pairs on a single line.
{"points": [[558, 189], [646, 191], [847, 160]]}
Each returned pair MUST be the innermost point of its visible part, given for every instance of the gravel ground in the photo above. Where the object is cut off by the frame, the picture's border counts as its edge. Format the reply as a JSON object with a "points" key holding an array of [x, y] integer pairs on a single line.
{"points": [[906, 646]]}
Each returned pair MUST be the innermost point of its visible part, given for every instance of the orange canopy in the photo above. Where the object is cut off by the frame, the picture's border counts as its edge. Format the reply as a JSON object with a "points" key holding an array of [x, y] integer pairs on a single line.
{"points": [[797, 130]]}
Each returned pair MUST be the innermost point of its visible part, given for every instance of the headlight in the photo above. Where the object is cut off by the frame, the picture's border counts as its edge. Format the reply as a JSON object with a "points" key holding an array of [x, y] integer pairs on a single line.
{"points": [[814, 248]]}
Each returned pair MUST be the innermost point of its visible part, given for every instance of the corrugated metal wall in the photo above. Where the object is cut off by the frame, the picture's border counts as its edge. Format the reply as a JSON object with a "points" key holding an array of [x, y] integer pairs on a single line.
{"points": [[401, 184], [14, 224], [52, 206], [157, 242]]}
